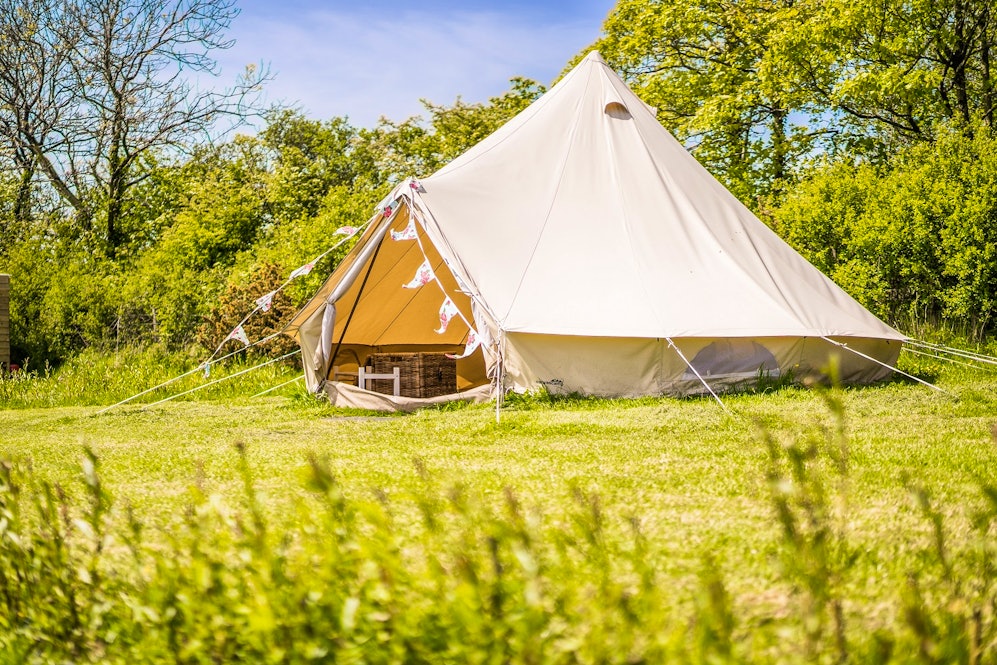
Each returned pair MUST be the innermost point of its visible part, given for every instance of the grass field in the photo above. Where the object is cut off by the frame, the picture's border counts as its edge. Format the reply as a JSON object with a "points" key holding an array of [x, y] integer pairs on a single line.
{"points": [[842, 526]]}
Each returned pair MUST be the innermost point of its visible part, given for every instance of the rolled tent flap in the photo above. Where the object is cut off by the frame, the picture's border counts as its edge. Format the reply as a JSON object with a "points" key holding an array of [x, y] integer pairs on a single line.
{"points": [[322, 353]]}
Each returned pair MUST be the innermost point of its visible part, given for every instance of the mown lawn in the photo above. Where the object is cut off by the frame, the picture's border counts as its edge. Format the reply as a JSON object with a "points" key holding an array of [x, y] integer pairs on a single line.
{"points": [[651, 527]]}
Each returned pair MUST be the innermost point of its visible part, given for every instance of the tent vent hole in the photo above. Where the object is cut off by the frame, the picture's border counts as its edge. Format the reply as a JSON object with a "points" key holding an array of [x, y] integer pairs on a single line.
{"points": [[617, 110]]}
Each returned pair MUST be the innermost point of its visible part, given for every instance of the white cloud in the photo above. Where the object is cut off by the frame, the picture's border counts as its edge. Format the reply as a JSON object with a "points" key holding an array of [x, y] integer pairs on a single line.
{"points": [[365, 65]]}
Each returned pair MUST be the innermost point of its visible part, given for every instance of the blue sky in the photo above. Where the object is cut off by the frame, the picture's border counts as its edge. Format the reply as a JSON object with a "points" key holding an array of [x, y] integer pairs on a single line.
{"points": [[368, 59]]}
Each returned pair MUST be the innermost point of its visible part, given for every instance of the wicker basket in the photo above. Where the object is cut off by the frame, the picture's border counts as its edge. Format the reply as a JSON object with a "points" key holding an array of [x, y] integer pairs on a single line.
{"points": [[422, 374]]}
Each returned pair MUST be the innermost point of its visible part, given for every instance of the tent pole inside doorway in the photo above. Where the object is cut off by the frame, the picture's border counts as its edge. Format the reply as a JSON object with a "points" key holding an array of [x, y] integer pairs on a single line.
{"points": [[353, 309]]}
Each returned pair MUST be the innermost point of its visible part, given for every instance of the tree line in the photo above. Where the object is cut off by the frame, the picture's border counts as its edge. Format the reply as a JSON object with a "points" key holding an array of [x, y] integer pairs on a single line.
{"points": [[861, 131]]}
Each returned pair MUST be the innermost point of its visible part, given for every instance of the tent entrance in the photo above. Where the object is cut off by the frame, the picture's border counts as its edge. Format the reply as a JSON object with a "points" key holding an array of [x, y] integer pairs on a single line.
{"points": [[377, 314]]}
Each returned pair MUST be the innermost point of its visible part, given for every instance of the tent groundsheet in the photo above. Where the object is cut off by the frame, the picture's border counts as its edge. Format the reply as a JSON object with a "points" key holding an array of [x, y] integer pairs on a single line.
{"points": [[349, 396]]}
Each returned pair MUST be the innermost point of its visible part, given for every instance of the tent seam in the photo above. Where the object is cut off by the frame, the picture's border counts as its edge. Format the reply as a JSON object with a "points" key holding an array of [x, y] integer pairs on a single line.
{"points": [[553, 200], [626, 221], [712, 236]]}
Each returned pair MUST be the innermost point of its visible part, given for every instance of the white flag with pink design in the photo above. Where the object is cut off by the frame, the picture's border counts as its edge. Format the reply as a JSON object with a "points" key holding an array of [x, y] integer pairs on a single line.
{"points": [[303, 270], [424, 275], [408, 233], [239, 334], [265, 302], [448, 310], [345, 231], [473, 342]]}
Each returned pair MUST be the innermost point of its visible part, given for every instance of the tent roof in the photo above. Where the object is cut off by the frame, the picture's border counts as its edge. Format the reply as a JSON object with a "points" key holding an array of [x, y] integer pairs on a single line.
{"points": [[584, 216]]}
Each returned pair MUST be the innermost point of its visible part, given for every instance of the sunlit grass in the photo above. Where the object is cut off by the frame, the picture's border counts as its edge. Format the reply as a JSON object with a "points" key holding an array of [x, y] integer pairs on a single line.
{"points": [[696, 483]]}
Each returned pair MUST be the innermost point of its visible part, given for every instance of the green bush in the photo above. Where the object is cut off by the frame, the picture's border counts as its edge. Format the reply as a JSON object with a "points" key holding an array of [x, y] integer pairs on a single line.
{"points": [[915, 241]]}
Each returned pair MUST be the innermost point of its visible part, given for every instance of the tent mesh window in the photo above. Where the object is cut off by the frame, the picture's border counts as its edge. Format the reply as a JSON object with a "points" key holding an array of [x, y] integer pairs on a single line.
{"points": [[734, 359], [422, 374]]}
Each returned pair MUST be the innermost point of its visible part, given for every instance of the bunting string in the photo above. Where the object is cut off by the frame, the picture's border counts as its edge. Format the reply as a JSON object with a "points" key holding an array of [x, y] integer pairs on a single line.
{"points": [[224, 378], [263, 304], [416, 212]]}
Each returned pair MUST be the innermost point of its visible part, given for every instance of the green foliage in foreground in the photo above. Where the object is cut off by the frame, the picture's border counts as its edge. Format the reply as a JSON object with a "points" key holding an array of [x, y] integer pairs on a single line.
{"points": [[846, 526]]}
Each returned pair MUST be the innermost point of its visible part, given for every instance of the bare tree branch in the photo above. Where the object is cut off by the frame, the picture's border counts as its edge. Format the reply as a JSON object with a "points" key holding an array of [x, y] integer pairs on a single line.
{"points": [[91, 86]]}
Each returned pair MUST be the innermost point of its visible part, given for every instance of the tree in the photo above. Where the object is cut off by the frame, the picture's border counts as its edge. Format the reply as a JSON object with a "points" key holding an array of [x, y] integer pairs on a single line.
{"points": [[715, 70], [897, 70], [415, 148], [309, 158], [90, 87], [756, 88], [914, 240]]}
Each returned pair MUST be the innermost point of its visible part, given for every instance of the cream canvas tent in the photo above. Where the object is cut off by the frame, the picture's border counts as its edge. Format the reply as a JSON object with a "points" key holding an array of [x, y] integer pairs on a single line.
{"points": [[590, 253]]}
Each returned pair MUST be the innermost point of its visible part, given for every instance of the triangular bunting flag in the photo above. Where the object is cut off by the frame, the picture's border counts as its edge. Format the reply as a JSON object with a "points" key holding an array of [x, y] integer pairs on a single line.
{"points": [[424, 275], [408, 233], [239, 334], [448, 310], [303, 270], [345, 231], [265, 302], [473, 342], [207, 368]]}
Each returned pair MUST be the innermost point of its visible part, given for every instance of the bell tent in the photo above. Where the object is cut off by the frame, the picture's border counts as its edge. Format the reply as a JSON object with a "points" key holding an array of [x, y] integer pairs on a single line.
{"points": [[579, 248]]}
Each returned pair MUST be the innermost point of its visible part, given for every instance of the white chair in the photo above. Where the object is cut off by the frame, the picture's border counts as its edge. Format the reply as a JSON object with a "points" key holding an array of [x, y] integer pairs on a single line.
{"points": [[365, 374]]}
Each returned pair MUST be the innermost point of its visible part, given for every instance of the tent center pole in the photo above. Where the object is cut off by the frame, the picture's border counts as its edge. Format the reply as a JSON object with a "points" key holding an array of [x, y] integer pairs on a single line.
{"points": [[332, 358]]}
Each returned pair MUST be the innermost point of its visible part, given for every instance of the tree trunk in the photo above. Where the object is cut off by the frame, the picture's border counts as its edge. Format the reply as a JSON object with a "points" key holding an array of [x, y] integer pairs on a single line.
{"points": [[22, 199], [114, 235], [960, 60], [988, 88], [117, 175], [780, 149]]}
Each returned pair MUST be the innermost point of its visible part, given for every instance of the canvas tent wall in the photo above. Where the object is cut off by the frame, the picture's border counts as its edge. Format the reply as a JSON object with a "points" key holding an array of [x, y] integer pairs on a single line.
{"points": [[592, 253]]}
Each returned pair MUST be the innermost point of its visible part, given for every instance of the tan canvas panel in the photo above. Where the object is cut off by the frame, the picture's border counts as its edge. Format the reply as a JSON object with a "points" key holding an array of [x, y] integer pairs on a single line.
{"points": [[385, 313], [377, 314]]}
